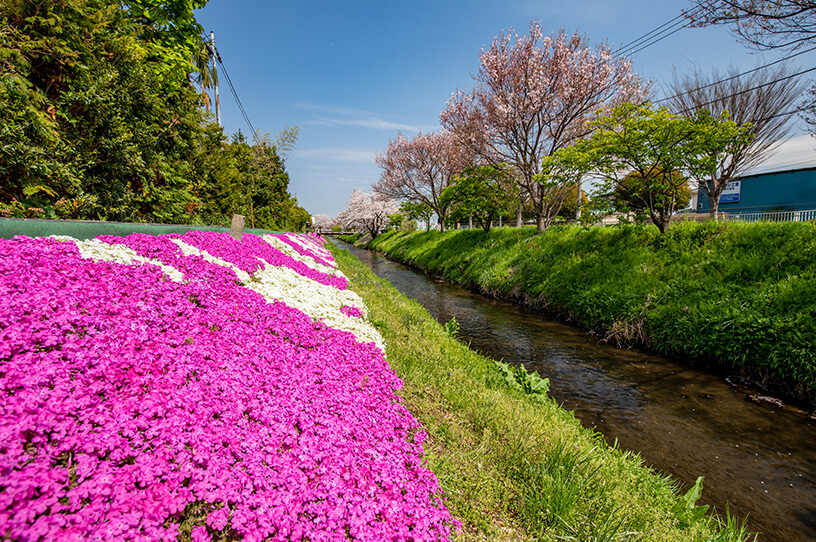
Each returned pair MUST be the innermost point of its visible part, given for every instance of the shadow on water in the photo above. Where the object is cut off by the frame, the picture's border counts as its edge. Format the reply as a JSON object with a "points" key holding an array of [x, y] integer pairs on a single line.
{"points": [[758, 460]]}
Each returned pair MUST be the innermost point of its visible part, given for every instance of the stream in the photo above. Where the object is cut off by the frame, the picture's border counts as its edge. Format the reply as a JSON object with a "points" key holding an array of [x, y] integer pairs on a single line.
{"points": [[758, 459]]}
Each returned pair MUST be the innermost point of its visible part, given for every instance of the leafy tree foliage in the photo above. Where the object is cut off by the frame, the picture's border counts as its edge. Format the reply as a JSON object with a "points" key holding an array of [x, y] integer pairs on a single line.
{"points": [[481, 192], [633, 193], [647, 154], [99, 120], [417, 211], [250, 180], [571, 204]]}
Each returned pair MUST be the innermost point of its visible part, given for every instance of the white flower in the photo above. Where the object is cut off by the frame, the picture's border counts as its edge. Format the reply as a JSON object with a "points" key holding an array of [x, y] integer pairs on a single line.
{"points": [[97, 250], [306, 260], [319, 301]]}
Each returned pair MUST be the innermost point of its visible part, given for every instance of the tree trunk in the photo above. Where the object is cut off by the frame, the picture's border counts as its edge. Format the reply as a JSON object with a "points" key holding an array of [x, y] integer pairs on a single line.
{"points": [[714, 198], [519, 219], [541, 224], [541, 217], [713, 205]]}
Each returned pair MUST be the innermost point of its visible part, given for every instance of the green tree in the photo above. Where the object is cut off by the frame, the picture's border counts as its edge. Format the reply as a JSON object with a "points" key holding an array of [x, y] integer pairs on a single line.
{"points": [[87, 118], [483, 192], [570, 206], [169, 33], [645, 152], [417, 211], [632, 194], [245, 179]]}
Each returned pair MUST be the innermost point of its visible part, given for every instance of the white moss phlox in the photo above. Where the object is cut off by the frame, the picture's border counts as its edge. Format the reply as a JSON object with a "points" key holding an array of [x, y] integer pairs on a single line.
{"points": [[319, 301], [190, 250], [306, 260], [97, 250]]}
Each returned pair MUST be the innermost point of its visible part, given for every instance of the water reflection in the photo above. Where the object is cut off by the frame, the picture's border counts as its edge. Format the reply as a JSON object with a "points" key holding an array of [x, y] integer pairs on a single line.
{"points": [[757, 459]]}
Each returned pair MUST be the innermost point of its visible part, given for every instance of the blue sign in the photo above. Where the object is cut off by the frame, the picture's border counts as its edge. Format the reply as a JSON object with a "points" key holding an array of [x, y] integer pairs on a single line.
{"points": [[731, 194]]}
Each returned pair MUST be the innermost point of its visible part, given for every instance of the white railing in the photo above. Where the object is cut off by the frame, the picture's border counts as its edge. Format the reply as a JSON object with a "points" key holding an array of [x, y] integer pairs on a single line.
{"points": [[774, 216]]}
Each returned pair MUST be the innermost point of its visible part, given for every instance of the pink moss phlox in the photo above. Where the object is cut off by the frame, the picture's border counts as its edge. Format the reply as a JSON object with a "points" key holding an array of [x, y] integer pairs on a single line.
{"points": [[129, 398], [244, 254], [348, 310], [311, 245]]}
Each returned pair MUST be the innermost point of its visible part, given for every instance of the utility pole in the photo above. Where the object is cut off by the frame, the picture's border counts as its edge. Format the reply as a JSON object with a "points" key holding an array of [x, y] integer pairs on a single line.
{"points": [[214, 57]]}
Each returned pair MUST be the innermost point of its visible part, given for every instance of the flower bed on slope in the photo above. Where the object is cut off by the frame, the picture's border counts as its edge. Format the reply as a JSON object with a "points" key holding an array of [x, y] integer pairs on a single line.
{"points": [[194, 387]]}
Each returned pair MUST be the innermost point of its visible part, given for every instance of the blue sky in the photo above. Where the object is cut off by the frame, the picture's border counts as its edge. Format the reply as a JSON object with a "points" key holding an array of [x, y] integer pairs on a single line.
{"points": [[352, 74]]}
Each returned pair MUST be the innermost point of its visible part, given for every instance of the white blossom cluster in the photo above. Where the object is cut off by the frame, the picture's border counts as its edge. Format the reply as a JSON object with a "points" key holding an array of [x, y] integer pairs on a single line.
{"points": [[190, 250]]}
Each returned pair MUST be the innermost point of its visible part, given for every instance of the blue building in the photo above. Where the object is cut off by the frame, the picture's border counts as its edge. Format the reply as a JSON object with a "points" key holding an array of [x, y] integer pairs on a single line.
{"points": [[791, 190]]}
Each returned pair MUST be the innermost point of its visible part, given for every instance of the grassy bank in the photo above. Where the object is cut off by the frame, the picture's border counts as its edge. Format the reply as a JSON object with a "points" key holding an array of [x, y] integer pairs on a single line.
{"points": [[727, 295], [348, 237], [515, 466]]}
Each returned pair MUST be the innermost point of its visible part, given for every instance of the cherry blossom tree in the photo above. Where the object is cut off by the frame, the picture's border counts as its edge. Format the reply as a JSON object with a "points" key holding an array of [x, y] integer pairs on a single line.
{"points": [[367, 211], [417, 170], [322, 222], [533, 96], [762, 24]]}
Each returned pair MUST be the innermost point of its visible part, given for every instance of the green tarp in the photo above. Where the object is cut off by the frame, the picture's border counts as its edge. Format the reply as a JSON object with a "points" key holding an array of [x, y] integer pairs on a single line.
{"points": [[80, 229]]}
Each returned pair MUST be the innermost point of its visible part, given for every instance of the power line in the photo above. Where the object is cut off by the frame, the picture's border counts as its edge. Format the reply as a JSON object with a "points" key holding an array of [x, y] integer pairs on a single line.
{"points": [[636, 41], [758, 68], [661, 38], [237, 99], [757, 87], [654, 36], [663, 35]]}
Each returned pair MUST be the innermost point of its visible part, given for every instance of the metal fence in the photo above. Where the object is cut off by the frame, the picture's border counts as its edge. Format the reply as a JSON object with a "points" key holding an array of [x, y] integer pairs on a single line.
{"points": [[773, 216]]}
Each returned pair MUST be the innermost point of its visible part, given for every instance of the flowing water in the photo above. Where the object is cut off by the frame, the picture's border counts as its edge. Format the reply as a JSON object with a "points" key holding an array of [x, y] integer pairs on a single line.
{"points": [[758, 459]]}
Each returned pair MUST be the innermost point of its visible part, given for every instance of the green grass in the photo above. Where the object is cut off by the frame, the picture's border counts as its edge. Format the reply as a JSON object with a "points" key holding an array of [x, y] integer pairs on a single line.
{"points": [[728, 295], [349, 237], [515, 467]]}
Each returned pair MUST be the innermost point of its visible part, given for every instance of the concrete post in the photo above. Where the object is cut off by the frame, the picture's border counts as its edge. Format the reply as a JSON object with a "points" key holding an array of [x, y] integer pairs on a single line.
{"points": [[237, 229]]}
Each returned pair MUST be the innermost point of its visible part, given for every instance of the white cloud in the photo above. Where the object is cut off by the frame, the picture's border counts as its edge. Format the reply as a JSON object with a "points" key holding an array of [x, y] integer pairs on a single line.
{"points": [[340, 116]]}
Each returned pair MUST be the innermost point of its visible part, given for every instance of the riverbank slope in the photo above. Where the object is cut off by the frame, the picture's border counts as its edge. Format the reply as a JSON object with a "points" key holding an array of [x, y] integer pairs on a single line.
{"points": [[512, 464], [737, 297]]}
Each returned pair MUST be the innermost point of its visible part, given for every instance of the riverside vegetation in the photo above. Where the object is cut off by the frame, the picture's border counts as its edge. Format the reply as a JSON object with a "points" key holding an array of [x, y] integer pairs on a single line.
{"points": [[514, 465], [732, 296]]}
